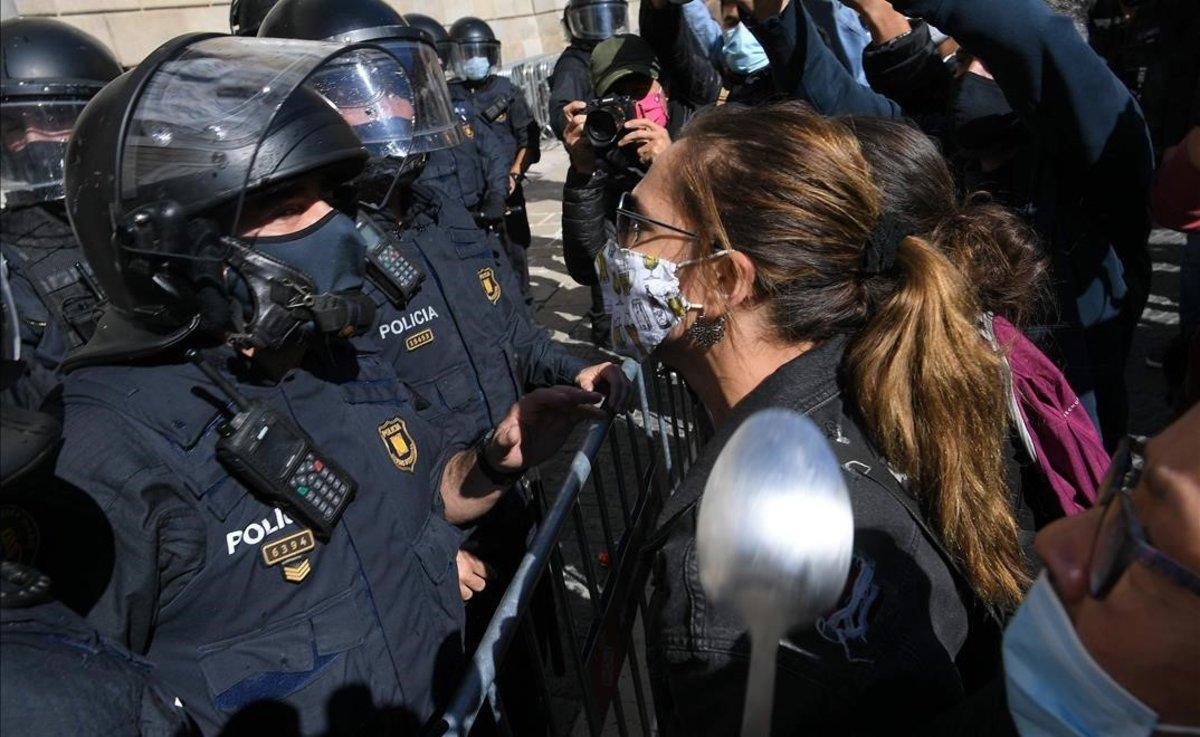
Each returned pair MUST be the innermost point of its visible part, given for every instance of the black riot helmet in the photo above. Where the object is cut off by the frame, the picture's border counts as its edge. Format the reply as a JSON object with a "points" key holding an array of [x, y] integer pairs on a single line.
{"points": [[48, 73], [476, 50], [245, 16], [161, 161], [592, 21], [436, 31], [410, 125]]}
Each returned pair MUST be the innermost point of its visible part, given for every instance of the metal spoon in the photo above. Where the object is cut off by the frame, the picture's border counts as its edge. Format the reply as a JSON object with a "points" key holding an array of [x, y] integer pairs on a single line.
{"points": [[774, 539]]}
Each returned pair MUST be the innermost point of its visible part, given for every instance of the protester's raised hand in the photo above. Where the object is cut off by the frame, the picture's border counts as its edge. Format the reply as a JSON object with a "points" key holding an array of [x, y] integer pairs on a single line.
{"points": [[648, 139], [579, 149]]}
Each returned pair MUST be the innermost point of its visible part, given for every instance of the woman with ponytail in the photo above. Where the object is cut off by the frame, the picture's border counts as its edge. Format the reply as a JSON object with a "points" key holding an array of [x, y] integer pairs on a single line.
{"points": [[758, 244], [1056, 457]]}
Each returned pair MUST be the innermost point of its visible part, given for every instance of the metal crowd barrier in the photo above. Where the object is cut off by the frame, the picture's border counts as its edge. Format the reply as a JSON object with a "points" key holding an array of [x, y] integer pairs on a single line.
{"points": [[532, 77], [590, 658]]}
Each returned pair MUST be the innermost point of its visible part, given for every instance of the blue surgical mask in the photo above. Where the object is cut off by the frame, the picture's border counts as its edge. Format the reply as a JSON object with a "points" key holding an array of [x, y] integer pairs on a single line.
{"points": [[329, 251], [1056, 688], [476, 68], [743, 54]]}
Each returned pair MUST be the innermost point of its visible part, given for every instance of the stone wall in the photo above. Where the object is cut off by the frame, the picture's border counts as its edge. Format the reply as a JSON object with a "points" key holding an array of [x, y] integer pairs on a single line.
{"points": [[133, 28]]}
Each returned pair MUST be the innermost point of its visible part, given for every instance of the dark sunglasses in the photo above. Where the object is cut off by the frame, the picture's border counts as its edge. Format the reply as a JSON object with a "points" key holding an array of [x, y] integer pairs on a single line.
{"points": [[630, 225], [1120, 538]]}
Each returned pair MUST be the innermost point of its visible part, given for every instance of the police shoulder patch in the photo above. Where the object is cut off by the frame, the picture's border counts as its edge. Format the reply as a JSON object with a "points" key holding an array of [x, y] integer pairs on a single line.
{"points": [[491, 286], [400, 445]]}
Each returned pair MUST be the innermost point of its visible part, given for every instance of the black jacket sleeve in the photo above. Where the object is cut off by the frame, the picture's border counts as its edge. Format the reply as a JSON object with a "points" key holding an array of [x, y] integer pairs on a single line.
{"points": [[1051, 77], [524, 127], [158, 539], [586, 223], [805, 69], [570, 81], [909, 70], [691, 77], [495, 169]]}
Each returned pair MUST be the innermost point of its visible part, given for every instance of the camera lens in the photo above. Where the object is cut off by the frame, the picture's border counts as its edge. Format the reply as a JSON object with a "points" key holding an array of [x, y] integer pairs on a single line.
{"points": [[601, 128]]}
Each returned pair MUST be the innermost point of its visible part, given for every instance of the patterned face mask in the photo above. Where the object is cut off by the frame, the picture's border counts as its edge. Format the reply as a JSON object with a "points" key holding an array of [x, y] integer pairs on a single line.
{"points": [[643, 296]]}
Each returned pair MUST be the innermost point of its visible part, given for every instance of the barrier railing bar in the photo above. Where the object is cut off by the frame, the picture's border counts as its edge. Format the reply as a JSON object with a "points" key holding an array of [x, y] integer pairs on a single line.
{"points": [[664, 446], [585, 555], [619, 467], [675, 431], [481, 672], [563, 601], [609, 634]]}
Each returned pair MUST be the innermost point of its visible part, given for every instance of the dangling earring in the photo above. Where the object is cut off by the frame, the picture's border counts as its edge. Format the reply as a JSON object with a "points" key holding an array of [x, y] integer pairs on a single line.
{"points": [[706, 334]]}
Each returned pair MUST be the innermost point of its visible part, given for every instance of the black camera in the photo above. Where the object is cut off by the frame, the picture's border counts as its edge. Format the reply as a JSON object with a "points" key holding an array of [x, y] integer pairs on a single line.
{"points": [[606, 117]]}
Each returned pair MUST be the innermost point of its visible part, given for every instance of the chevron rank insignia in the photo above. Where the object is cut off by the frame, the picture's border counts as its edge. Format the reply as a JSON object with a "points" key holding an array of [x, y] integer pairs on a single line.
{"points": [[298, 571]]}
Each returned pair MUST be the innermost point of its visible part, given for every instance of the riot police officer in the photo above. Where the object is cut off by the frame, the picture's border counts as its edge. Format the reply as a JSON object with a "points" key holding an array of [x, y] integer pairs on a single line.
{"points": [[450, 320], [284, 521], [473, 172], [48, 72], [587, 23], [437, 32], [60, 676], [245, 16], [502, 107]]}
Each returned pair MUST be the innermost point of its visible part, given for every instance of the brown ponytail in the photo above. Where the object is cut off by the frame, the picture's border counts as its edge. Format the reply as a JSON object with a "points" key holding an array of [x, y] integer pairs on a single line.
{"points": [[929, 390], [792, 191]]}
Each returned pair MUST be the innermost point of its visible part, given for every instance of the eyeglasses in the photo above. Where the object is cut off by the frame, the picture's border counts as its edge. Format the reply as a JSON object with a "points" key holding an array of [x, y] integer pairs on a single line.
{"points": [[1120, 538], [630, 225]]}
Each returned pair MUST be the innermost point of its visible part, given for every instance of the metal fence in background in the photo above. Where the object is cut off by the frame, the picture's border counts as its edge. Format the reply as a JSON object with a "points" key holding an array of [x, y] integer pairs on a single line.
{"points": [[532, 77], [589, 663]]}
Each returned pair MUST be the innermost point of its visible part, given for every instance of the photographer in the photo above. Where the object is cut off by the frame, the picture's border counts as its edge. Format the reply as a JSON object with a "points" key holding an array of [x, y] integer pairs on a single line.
{"points": [[611, 141]]}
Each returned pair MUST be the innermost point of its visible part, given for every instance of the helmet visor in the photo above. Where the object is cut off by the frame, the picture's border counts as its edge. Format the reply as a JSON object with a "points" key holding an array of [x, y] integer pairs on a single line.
{"points": [[196, 131], [34, 137], [598, 22], [475, 59], [416, 109]]}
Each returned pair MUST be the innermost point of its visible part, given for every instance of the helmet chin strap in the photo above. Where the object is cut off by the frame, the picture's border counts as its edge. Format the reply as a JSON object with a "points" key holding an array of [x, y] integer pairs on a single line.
{"points": [[285, 303]]}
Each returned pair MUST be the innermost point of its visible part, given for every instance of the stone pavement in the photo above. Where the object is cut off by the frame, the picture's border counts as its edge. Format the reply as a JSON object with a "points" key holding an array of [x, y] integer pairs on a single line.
{"points": [[561, 303]]}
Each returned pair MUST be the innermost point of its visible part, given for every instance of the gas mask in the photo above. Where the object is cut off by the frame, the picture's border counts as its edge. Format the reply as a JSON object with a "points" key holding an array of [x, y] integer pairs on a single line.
{"points": [[293, 286]]}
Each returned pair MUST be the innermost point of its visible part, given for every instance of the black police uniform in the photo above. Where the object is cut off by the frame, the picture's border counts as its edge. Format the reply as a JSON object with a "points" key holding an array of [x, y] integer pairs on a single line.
{"points": [[56, 296], [465, 343], [475, 172], [60, 677], [50, 67], [225, 593], [501, 106]]}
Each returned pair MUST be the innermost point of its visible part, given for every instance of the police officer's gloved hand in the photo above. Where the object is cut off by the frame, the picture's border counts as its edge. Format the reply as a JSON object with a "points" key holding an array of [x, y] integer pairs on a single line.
{"points": [[493, 207]]}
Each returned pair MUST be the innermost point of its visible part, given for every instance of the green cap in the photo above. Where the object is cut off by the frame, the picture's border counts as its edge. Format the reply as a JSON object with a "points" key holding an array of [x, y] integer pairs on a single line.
{"points": [[619, 56]]}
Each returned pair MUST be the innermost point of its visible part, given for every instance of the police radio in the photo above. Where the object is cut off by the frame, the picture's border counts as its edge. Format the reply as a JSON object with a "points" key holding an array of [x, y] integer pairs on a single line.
{"points": [[396, 276], [277, 459]]}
